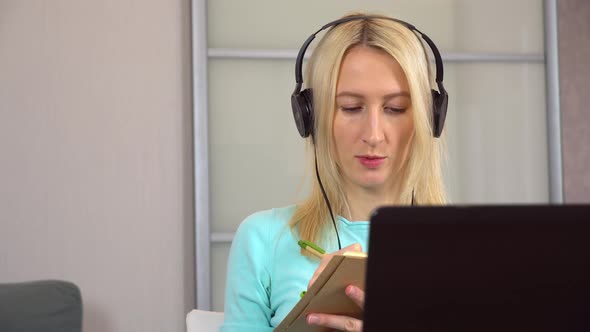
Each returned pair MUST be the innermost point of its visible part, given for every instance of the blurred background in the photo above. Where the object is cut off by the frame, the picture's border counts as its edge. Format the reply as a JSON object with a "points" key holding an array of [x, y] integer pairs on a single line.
{"points": [[132, 133]]}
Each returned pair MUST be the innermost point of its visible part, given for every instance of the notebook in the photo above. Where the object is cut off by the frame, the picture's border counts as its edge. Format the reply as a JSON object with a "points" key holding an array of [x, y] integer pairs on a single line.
{"points": [[326, 294], [479, 268]]}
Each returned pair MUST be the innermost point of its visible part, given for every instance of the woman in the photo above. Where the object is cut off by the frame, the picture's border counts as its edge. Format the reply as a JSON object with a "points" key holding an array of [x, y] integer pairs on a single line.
{"points": [[372, 139]]}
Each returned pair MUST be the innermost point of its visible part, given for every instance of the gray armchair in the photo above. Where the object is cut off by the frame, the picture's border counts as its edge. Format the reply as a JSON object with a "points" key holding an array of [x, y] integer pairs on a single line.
{"points": [[45, 305]]}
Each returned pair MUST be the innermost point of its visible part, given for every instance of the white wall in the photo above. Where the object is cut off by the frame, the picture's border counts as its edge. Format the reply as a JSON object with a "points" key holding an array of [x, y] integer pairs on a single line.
{"points": [[574, 70], [96, 155]]}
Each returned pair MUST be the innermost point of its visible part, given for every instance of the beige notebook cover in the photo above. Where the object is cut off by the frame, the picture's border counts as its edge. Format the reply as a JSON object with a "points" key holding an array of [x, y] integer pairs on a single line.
{"points": [[327, 295]]}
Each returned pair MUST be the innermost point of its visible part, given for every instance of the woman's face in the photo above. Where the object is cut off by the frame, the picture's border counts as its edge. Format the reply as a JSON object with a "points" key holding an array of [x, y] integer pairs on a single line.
{"points": [[373, 122]]}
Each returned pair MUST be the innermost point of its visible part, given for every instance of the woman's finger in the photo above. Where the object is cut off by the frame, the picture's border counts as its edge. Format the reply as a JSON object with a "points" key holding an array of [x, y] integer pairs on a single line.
{"points": [[357, 295], [341, 323]]}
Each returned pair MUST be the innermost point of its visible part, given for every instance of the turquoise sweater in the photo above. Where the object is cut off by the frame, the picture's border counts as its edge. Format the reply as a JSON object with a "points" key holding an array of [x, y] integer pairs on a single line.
{"points": [[266, 271]]}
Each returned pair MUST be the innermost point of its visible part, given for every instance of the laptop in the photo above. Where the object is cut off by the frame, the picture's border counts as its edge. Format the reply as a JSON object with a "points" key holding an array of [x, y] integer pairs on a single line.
{"points": [[479, 268]]}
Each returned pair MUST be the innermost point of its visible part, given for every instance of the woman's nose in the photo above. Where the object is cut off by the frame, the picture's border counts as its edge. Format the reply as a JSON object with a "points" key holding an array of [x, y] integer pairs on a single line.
{"points": [[373, 129]]}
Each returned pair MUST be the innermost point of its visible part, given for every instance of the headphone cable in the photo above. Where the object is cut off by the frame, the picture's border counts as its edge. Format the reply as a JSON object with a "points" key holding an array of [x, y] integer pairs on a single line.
{"points": [[317, 173]]}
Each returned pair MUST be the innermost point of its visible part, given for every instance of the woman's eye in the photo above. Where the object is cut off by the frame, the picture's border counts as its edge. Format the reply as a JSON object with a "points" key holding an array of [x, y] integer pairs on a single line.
{"points": [[351, 109], [395, 110]]}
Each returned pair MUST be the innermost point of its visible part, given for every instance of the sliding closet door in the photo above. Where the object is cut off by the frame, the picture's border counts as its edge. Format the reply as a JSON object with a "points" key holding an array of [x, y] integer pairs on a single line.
{"points": [[496, 129]]}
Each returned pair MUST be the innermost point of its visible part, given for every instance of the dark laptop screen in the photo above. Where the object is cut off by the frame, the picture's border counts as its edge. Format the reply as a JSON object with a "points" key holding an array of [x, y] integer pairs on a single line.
{"points": [[479, 268]]}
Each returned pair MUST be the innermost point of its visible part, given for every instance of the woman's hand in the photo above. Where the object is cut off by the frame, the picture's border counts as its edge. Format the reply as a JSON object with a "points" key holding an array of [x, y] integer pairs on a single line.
{"points": [[342, 323]]}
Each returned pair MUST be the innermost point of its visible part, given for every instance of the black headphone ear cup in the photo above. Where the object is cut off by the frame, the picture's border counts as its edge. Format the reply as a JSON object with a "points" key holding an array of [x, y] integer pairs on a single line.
{"points": [[302, 105], [309, 118], [440, 101]]}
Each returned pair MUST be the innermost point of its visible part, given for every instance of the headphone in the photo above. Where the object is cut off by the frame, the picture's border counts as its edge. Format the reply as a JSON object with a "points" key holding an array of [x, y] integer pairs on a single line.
{"points": [[302, 101]]}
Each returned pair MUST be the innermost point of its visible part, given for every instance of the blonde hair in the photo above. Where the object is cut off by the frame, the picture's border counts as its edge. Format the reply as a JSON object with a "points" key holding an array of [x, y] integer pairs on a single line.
{"points": [[422, 171]]}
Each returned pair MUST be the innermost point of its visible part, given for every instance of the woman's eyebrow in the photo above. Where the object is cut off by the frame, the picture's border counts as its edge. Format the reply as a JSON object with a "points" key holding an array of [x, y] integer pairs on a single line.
{"points": [[350, 94], [397, 94]]}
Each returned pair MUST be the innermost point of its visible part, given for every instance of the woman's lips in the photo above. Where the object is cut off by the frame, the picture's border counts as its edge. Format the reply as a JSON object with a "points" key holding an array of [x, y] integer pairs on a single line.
{"points": [[371, 161]]}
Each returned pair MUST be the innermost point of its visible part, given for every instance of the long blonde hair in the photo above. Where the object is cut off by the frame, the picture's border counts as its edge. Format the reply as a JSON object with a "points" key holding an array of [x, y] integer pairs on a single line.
{"points": [[422, 171]]}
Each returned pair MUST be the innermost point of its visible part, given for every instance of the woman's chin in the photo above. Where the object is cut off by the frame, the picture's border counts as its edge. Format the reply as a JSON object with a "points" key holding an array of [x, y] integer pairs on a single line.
{"points": [[372, 183]]}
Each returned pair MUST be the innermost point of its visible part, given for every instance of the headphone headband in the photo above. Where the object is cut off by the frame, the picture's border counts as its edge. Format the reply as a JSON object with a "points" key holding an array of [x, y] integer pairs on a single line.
{"points": [[301, 54]]}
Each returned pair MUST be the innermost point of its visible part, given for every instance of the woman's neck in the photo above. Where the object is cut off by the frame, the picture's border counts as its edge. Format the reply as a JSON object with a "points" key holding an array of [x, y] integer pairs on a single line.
{"points": [[363, 201]]}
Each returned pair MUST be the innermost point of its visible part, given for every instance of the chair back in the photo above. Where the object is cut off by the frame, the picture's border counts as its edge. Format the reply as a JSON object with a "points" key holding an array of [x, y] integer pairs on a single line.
{"points": [[203, 321], [40, 306]]}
